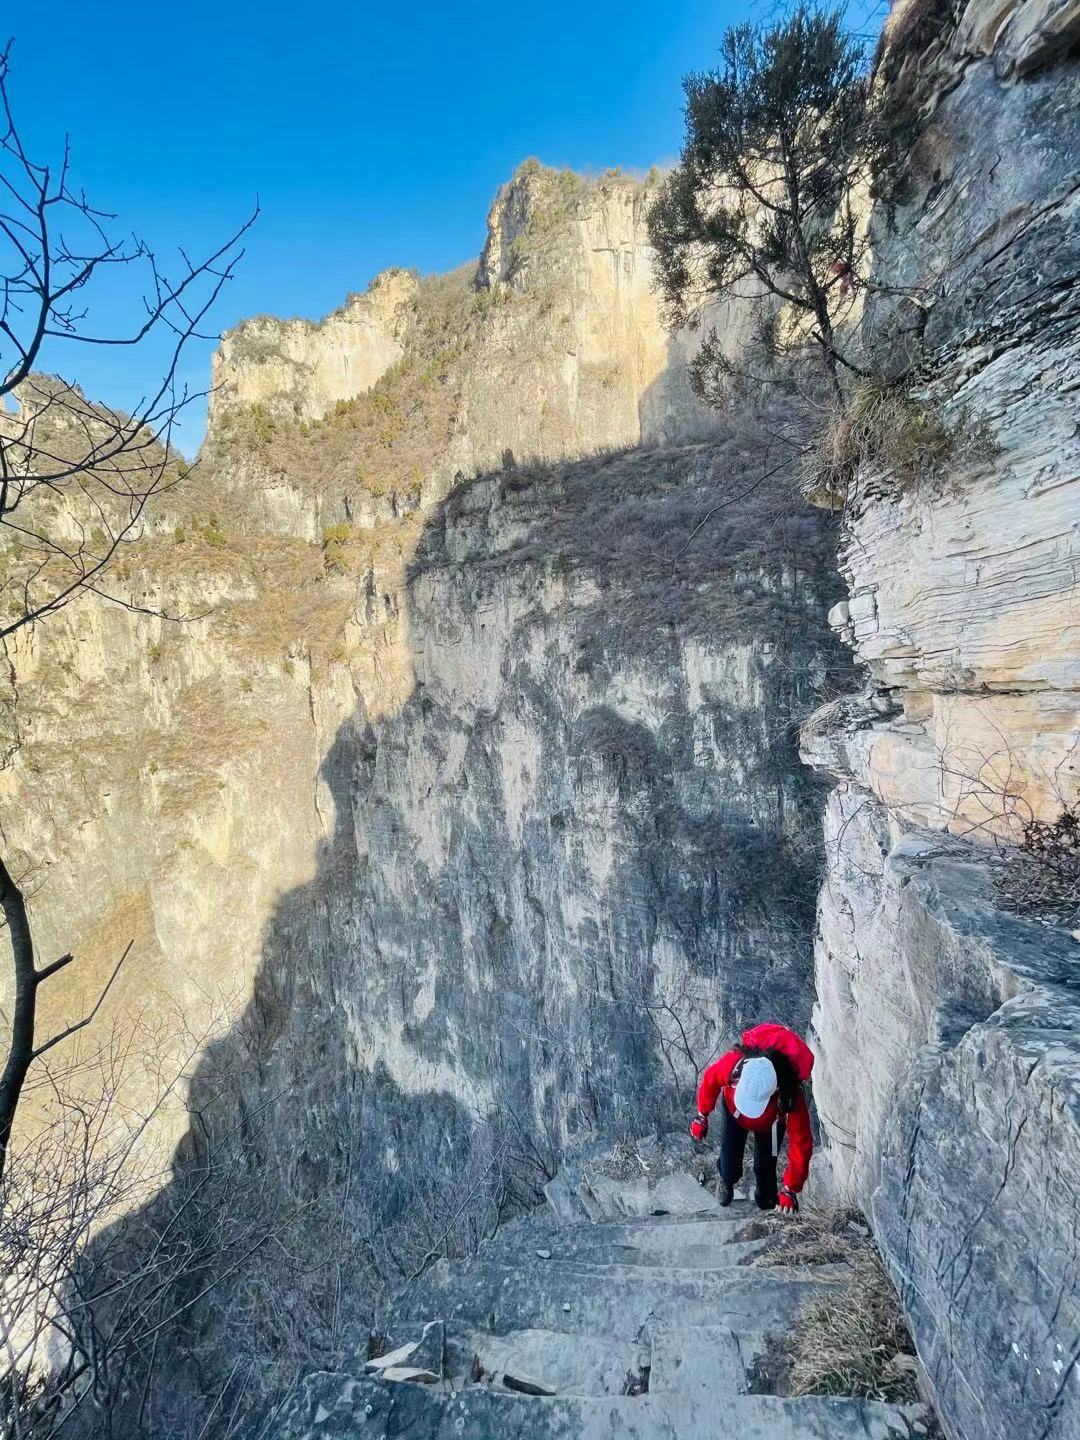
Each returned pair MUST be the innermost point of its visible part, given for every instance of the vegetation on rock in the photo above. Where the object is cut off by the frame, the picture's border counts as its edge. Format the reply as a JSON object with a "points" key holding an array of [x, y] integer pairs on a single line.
{"points": [[854, 1340]]}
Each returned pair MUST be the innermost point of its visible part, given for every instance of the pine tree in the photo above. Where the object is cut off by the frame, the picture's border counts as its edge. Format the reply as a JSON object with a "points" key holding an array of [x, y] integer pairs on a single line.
{"points": [[764, 204]]}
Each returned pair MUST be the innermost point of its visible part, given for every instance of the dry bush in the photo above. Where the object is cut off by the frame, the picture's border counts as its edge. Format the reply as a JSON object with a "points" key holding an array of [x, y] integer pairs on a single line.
{"points": [[853, 1340], [308, 1253], [1042, 876], [107, 1252], [897, 433]]}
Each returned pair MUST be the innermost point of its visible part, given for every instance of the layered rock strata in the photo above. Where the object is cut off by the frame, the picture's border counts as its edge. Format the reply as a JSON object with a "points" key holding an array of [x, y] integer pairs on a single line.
{"points": [[947, 1030]]}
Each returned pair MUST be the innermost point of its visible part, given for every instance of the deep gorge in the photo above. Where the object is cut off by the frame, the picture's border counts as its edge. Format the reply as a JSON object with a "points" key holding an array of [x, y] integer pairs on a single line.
{"points": [[468, 818]]}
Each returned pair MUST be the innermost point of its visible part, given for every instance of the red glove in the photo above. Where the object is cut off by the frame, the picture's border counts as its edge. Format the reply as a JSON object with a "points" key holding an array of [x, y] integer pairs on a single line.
{"points": [[699, 1128], [788, 1203]]}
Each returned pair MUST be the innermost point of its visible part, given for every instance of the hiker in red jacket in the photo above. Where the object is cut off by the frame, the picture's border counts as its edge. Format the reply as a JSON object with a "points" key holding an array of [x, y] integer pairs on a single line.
{"points": [[761, 1083]]}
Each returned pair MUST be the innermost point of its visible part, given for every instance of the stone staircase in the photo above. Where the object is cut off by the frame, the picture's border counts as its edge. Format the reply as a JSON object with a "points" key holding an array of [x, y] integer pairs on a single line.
{"points": [[625, 1312]]}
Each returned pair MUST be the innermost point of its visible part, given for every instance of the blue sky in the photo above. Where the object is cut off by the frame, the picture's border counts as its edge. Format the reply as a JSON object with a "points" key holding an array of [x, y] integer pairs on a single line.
{"points": [[373, 135]]}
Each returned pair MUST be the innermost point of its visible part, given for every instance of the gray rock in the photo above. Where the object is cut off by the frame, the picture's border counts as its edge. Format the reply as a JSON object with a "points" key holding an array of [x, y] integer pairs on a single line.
{"points": [[336, 1407], [416, 1374], [555, 1363], [968, 1120], [678, 1194], [421, 1357], [705, 1359]]}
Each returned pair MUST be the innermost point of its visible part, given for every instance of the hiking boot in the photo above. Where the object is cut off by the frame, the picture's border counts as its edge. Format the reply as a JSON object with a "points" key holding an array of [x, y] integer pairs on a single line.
{"points": [[725, 1191]]}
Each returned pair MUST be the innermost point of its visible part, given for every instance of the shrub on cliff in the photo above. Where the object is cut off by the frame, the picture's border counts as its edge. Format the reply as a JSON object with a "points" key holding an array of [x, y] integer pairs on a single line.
{"points": [[1041, 877], [892, 429]]}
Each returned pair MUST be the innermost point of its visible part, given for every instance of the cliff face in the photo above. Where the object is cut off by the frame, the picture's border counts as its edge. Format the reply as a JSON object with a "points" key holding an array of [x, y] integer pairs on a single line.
{"points": [[464, 812], [464, 799], [299, 369], [947, 1029], [581, 844], [464, 786]]}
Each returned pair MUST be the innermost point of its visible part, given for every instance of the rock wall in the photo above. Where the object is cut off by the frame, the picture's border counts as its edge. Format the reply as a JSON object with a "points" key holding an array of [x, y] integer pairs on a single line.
{"points": [[585, 822], [561, 317], [949, 1061], [575, 850]]}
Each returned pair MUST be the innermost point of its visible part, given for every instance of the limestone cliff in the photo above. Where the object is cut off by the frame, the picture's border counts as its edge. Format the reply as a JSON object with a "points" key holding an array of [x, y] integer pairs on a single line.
{"points": [[947, 1030], [465, 793], [463, 769], [578, 846], [300, 369]]}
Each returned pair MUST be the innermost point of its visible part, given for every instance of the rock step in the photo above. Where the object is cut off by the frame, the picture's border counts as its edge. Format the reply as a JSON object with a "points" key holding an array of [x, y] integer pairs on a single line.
{"points": [[550, 1362], [599, 1255], [599, 1197], [614, 1300], [687, 1242], [688, 1361], [330, 1406], [558, 1362]]}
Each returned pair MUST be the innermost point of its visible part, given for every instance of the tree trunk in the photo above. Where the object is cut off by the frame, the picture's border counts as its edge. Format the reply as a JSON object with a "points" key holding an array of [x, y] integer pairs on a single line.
{"points": [[819, 300], [21, 1048]]}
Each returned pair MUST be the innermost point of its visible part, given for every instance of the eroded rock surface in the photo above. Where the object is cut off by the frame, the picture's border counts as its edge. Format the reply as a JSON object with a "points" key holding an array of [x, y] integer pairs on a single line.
{"points": [[469, 795], [946, 1028], [300, 369], [192, 799]]}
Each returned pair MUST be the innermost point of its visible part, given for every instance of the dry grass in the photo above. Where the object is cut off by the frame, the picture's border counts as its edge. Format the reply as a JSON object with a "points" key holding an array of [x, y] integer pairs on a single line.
{"points": [[853, 1340], [896, 433], [821, 1237]]}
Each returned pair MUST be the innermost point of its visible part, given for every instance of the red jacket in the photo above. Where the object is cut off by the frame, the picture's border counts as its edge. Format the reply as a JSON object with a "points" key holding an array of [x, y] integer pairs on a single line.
{"points": [[717, 1081]]}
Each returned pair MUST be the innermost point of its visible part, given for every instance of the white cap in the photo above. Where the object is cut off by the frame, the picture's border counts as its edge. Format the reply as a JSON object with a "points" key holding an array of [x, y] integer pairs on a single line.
{"points": [[757, 1083]]}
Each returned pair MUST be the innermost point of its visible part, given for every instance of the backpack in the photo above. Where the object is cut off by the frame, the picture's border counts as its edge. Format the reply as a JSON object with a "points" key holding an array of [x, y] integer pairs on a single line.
{"points": [[791, 1058], [768, 1038]]}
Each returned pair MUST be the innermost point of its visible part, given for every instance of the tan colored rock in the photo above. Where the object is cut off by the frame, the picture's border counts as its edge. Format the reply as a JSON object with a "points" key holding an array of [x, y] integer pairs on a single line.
{"points": [[595, 368], [300, 369], [964, 589], [980, 766], [191, 797], [1021, 35]]}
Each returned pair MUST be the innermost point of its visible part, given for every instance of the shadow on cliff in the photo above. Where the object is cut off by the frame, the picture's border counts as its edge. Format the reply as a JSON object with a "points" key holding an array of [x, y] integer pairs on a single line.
{"points": [[453, 997]]}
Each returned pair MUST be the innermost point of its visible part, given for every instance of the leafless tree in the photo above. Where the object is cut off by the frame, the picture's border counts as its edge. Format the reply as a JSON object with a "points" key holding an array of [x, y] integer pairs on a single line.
{"points": [[75, 477], [58, 450], [103, 1252]]}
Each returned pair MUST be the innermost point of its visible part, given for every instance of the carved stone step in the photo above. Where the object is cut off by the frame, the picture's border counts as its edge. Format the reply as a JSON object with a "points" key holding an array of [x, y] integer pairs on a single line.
{"points": [[555, 1363], [615, 1300], [340, 1407]]}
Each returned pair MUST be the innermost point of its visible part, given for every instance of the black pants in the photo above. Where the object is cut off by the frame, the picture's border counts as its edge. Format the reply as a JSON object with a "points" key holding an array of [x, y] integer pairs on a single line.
{"points": [[733, 1147]]}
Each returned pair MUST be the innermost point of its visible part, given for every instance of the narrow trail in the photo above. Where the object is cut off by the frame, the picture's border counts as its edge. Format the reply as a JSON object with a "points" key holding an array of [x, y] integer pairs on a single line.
{"points": [[625, 1311]]}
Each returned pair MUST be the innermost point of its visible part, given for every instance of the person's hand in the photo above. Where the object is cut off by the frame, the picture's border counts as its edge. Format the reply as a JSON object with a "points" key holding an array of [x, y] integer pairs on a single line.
{"points": [[699, 1128], [787, 1203]]}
